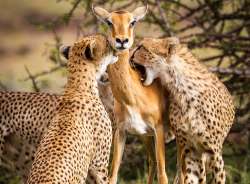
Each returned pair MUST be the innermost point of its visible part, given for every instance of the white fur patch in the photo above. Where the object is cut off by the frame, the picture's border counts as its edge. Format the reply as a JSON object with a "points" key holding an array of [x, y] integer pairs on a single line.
{"points": [[177, 63], [181, 74], [109, 59], [136, 123], [118, 45], [126, 45]]}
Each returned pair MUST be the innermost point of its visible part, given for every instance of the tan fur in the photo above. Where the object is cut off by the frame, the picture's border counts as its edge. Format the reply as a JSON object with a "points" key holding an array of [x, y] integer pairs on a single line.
{"points": [[148, 102], [201, 108], [78, 140], [138, 109]]}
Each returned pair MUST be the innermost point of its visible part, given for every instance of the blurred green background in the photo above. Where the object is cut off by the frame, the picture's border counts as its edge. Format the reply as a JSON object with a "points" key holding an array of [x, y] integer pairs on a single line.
{"points": [[217, 31]]}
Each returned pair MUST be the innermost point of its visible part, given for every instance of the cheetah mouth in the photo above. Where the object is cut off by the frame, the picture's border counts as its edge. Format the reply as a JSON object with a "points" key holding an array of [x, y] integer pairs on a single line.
{"points": [[140, 69], [104, 79]]}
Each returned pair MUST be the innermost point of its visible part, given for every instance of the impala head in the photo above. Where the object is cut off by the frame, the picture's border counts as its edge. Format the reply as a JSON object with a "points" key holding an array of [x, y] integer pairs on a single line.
{"points": [[121, 25]]}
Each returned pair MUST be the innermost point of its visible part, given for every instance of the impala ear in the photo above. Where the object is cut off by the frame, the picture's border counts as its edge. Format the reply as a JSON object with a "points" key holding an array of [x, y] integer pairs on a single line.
{"points": [[100, 13], [140, 12], [64, 50]]}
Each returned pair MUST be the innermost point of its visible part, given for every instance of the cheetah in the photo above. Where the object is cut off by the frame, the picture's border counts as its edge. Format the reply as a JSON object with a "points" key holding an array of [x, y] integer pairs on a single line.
{"points": [[201, 108], [25, 116], [78, 139]]}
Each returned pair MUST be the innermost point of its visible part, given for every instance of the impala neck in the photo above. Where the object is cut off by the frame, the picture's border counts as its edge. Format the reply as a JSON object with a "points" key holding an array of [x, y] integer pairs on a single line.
{"points": [[123, 79]]}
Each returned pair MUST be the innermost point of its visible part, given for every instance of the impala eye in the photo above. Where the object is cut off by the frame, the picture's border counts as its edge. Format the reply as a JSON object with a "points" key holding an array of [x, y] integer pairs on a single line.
{"points": [[132, 23], [110, 24]]}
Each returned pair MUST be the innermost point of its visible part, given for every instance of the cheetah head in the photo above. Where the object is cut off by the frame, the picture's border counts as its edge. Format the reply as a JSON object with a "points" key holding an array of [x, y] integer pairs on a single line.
{"points": [[150, 57], [92, 50]]}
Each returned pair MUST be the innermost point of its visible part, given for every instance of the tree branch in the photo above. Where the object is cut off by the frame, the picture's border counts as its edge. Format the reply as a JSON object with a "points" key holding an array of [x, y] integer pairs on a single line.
{"points": [[230, 71], [43, 73], [32, 78], [164, 18]]}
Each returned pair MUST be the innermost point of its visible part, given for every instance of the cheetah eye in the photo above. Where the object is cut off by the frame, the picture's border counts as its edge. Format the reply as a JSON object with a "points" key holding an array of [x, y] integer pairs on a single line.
{"points": [[132, 24], [110, 24]]}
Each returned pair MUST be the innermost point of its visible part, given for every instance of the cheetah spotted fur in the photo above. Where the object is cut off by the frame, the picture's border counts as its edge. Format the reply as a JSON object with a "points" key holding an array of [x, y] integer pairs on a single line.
{"points": [[78, 139], [201, 108], [25, 117]]}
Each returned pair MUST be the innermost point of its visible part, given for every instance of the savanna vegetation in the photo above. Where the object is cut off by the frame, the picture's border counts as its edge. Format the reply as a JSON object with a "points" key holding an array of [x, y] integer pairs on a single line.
{"points": [[217, 31]]}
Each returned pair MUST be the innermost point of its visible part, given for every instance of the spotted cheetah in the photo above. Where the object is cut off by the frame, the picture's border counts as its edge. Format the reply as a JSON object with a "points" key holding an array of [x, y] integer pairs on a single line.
{"points": [[201, 108], [25, 117], [78, 139]]}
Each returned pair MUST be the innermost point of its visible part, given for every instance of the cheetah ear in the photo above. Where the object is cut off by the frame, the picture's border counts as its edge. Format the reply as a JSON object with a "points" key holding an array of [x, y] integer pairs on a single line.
{"points": [[90, 52], [172, 43], [64, 50]]}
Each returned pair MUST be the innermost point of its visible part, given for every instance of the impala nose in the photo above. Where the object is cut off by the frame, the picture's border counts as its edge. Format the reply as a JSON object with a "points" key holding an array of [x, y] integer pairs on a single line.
{"points": [[121, 43], [125, 41]]}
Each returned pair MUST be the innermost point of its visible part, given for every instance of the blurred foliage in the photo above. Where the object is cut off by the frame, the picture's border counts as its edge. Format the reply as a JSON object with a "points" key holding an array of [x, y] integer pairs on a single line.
{"points": [[218, 32]]}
